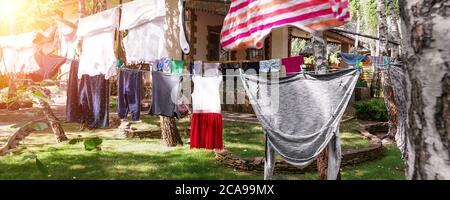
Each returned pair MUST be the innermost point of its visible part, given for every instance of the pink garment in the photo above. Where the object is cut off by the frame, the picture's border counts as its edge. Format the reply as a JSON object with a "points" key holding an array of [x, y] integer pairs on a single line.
{"points": [[248, 22], [292, 64]]}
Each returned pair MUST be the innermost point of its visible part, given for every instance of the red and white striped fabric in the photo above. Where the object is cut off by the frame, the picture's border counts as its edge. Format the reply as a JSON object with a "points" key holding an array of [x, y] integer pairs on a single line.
{"points": [[248, 22]]}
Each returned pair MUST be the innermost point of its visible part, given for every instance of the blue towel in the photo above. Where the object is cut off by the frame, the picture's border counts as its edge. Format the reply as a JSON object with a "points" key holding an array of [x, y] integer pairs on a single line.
{"points": [[352, 59]]}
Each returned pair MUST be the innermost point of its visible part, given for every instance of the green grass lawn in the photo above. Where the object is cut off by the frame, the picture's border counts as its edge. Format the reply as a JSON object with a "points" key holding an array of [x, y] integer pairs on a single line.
{"points": [[147, 159]]}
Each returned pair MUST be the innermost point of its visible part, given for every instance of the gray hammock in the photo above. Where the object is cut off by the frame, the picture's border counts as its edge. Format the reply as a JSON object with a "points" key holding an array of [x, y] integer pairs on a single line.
{"points": [[300, 115]]}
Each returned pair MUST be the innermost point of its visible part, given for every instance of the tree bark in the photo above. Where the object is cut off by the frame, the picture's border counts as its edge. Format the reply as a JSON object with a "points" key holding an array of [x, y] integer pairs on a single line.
{"points": [[170, 135], [388, 92], [99, 5], [14, 140], [394, 30], [81, 8], [427, 57], [54, 122], [320, 54]]}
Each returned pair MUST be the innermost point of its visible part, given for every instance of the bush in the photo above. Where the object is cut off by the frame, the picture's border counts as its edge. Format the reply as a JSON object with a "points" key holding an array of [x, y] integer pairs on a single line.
{"points": [[361, 83], [371, 110]]}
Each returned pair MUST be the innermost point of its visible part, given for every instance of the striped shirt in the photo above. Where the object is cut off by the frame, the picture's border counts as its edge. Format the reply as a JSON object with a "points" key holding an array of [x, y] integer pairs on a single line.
{"points": [[248, 22]]}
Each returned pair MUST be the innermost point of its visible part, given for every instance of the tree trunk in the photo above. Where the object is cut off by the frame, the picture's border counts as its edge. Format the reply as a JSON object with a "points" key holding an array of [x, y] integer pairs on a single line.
{"points": [[321, 68], [170, 135], [99, 5], [54, 122], [320, 53], [388, 92], [12, 87], [394, 30], [14, 140], [81, 8], [357, 31], [427, 55]]}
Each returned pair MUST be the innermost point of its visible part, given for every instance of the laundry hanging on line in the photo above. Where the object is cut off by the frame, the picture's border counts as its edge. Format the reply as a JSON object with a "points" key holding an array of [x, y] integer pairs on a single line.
{"points": [[49, 66], [248, 22], [165, 94], [67, 44], [144, 20], [293, 64], [97, 32], [266, 66], [206, 120], [93, 93], [73, 107], [18, 54], [129, 94], [300, 115], [398, 83], [352, 59]]}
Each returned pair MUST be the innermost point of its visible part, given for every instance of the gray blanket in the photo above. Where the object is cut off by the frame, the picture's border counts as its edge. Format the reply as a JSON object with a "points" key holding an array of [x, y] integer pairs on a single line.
{"points": [[301, 114], [398, 82]]}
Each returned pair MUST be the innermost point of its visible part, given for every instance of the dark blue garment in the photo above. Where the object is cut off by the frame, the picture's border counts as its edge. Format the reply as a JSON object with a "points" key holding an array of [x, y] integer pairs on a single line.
{"points": [[352, 59], [73, 109], [94, 99], [49, 66], [165, 93], [129, 94]]}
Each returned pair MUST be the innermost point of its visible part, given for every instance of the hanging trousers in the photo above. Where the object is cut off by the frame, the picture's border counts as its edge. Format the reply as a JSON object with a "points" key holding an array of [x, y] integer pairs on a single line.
{"points": [[73, 109], [94, 101], [129, 94]]}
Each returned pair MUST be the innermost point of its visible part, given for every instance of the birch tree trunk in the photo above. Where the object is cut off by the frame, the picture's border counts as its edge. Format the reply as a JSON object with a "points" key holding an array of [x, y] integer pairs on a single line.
{"points": [[170, 135], [388, 92], [427, 57], [321, 66], [394, 30]]}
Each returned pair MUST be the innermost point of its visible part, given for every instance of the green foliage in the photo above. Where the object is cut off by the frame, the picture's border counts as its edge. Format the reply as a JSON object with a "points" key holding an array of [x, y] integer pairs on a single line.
{"points": [[41, 167], [92, 143], [300, 46], [309, 60], [361, 83], [333, 58], [146, 159], [371, 110]]}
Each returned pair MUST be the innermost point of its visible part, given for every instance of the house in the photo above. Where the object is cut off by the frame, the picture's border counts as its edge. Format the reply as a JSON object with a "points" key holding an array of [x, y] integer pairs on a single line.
{"points": [[204, 20]]}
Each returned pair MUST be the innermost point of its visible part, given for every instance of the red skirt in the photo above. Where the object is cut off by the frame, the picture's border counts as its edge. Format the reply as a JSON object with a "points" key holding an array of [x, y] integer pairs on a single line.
{"points": [[206, 131]]}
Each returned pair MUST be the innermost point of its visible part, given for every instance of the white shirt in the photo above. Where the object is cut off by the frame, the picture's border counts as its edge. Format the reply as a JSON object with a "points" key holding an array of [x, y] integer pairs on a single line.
{"points": [[18, 54], [206, 95], [97, 55], [144, 20]]}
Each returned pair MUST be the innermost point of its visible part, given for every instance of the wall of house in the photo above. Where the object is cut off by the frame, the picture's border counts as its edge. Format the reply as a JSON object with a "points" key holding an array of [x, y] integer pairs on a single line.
{"points": [[203, 21], [280, 40]]}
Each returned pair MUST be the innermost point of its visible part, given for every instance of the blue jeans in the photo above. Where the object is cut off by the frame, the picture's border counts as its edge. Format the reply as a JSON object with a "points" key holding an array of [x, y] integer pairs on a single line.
{"points": [[129, 94], [94, 100]]}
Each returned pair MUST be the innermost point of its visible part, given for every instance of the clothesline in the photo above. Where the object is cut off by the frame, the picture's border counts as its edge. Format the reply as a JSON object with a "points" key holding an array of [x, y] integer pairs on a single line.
{"points": [[366, 36]]}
